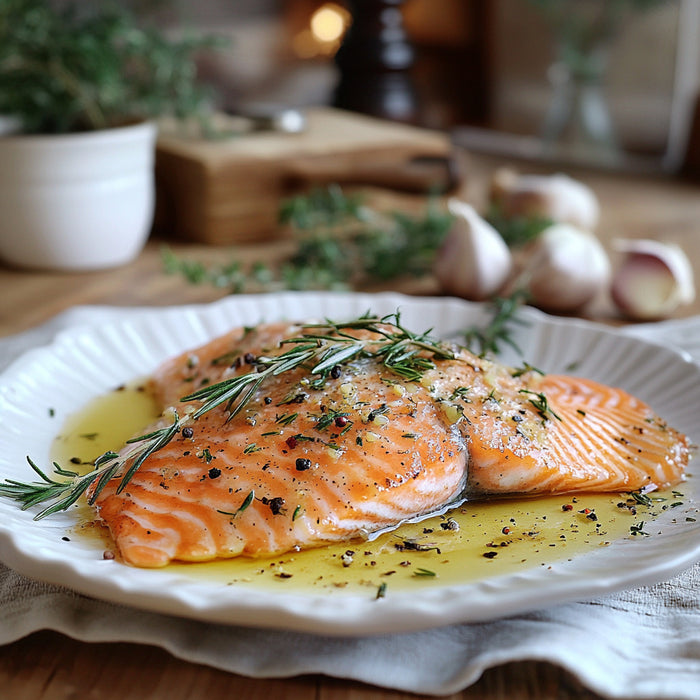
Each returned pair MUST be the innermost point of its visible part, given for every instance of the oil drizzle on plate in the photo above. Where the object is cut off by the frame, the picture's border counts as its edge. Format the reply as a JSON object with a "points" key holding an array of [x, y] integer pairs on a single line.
{"points": [[105, 423], [478, 540]]}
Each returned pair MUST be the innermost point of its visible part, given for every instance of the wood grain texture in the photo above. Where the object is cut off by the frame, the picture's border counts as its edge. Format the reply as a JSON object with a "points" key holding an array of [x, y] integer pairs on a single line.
{"points": [[226, 190], [49, 666]]}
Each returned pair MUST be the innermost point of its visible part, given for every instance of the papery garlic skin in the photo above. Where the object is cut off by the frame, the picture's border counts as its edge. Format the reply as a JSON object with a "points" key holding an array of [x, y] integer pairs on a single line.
{"points": [[652, 280], [474, 261], [557, 197], [566, 268]]}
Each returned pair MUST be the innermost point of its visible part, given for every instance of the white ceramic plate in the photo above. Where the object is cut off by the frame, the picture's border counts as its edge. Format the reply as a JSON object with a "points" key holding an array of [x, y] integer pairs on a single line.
{"points": [[84, 362]]}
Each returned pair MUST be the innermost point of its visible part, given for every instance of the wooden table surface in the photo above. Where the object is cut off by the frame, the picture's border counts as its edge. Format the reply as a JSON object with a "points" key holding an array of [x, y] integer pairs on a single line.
{"points": [[49, 666]]}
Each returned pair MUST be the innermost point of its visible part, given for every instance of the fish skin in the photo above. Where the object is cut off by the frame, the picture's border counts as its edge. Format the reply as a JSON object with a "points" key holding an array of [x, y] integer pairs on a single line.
{"points": [[469, 427]]}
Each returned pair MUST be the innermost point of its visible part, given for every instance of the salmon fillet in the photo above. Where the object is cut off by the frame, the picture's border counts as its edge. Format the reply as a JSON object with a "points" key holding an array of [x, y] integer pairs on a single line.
{"points": [[302, 465]]}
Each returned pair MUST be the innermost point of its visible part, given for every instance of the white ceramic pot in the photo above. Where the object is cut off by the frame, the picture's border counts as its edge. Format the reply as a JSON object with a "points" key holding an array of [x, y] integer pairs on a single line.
{"points": [[76, 201]]}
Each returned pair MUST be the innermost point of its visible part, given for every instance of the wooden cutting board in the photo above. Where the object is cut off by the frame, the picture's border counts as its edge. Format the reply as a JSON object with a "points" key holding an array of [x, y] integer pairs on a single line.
{"points": [[228, 190]]}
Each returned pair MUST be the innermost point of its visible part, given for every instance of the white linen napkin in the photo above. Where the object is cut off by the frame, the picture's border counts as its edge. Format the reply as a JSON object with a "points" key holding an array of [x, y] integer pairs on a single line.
{"points": [[641, 643]]}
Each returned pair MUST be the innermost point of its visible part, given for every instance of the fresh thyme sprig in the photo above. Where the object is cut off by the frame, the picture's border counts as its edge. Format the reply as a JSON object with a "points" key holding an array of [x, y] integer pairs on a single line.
{"points": [[517, 231], [319, 348], [339, 243], [76, 66]]}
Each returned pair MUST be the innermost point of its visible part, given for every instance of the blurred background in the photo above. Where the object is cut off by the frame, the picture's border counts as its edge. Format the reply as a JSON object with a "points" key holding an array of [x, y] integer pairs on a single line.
{"points": [[597, 99], [611, 81]]}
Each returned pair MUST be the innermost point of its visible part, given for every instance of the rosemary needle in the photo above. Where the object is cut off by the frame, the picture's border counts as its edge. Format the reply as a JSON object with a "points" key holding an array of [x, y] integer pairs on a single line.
{"points": [[61, 494], [499, 329]]}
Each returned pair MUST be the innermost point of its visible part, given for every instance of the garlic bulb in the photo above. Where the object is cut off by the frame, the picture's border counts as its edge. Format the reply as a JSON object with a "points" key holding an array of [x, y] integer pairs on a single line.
{"points": [[653, 279], [565, 269], [474, 262], [557, 197]]}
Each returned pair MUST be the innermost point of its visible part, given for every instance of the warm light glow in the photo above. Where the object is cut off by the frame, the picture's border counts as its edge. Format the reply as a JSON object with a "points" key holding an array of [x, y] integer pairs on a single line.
{"points": [[325, 32], [328, 22]]}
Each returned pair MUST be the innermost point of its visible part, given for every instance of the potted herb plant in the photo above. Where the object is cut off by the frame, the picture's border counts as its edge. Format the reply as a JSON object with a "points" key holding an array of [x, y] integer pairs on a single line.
{"points": [[79, 84]]}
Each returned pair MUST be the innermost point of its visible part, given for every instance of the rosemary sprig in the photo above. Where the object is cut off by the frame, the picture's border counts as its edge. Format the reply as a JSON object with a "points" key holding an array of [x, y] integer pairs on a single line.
{"points": [[488, 339], [321, 347], [318, 349], [61, 494]]}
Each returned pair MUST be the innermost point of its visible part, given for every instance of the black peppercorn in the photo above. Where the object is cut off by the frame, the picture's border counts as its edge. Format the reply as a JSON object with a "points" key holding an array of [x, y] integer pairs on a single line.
{"points": [[303, 464], [276, 504]]}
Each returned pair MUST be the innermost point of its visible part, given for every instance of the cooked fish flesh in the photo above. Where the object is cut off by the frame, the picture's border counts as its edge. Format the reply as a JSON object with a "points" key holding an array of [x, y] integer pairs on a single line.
{"points": [[307, 462]]}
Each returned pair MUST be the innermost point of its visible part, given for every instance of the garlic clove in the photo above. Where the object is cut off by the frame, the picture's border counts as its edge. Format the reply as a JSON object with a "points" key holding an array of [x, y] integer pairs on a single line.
{"points": [[557, 197], [653, 279], [565, 269], [473, 262]]}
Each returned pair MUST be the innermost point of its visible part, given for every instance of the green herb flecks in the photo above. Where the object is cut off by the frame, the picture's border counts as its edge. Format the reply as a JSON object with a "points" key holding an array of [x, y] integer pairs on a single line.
{"points": [[641, 498], [539, 401], [206, 455], [337, 419], [286, 418], [460, 393], [638, 529], [299, 437], [247, 501], [527, 367], [228, 358]]}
